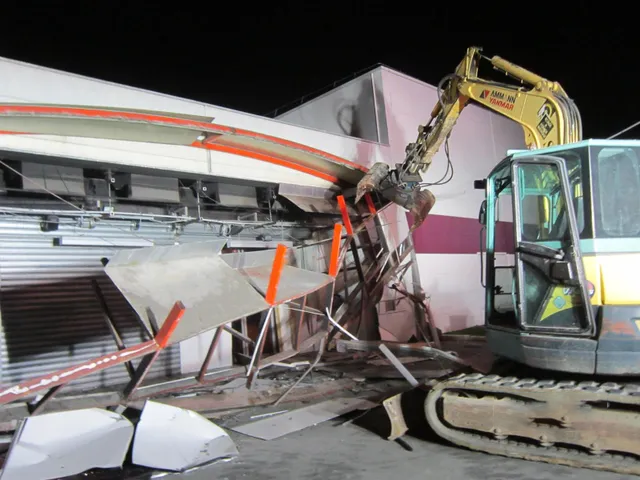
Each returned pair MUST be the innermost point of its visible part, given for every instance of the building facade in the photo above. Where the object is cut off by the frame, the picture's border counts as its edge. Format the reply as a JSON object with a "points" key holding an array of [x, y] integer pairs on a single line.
{"points": [[49, 310]]}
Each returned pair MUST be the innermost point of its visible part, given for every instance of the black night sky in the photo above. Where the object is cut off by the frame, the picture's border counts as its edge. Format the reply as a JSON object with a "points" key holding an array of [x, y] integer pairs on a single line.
{"points": [[258, 63]]}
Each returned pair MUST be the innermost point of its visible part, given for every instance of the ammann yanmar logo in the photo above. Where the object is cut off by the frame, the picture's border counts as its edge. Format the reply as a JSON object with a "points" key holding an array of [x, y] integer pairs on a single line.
{"points": [[499, 99]]}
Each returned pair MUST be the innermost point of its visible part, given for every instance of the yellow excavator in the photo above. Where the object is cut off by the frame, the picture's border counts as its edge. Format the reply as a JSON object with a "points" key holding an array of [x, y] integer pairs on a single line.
{"points": [[563, 315], [543, 109]]}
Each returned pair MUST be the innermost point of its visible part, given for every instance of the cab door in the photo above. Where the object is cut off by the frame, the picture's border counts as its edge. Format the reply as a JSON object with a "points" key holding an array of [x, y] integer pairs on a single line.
{"points": [[551, 288], [497, 253]]}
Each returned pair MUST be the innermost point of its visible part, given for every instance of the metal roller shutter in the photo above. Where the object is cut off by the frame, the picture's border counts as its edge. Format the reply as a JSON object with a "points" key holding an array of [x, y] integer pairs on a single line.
{"points": [[50, 315]]}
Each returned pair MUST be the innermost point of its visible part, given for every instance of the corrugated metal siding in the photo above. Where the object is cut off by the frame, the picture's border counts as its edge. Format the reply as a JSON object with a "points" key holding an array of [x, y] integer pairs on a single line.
{"points": [[50, 315]]}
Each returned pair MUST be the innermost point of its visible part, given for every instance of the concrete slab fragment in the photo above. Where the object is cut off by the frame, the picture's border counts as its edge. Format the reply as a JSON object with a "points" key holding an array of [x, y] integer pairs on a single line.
{"points": [[60, 444], [283, 424], [153, 278], [176, 439]]}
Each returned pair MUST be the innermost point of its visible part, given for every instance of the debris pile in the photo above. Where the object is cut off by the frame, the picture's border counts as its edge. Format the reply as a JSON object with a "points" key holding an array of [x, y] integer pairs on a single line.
{"points": [[176, 432], [61, 444], [315, 351]]}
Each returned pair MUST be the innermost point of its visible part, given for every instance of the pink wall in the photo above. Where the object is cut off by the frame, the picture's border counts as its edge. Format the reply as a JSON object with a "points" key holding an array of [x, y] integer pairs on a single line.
{"points": [[448, 242], [458, 235]]}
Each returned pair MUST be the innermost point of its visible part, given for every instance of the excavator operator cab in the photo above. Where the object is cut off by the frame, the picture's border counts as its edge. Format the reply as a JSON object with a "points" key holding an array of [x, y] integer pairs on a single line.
{"points": [[561, 257]]}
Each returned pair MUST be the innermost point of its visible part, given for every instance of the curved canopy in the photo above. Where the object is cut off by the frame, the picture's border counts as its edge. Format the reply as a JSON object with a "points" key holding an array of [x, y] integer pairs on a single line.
{"points": [[174, 129]]}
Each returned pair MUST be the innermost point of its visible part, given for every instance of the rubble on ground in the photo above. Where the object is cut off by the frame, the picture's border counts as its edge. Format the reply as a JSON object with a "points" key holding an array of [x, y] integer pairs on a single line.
{"points": [[144, 433]]}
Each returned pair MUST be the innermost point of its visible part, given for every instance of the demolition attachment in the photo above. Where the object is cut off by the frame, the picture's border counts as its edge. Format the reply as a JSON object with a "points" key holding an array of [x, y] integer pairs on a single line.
{"points": [[381, 179]]}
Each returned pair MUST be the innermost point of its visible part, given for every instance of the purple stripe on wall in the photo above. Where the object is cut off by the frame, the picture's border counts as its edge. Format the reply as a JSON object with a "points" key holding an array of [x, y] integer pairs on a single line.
{"points": [[446, 234]]}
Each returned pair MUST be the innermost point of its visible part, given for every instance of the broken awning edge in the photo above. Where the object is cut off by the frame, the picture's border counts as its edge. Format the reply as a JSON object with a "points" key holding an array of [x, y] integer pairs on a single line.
{"points": [[104, 123]]}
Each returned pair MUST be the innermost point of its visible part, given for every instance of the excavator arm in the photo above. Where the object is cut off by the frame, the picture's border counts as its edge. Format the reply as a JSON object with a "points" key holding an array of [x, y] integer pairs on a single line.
{"points": [[543, 109]]}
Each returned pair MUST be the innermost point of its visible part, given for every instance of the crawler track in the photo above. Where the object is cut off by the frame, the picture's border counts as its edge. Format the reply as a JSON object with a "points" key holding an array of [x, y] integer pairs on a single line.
{"points": [[581, 424]]}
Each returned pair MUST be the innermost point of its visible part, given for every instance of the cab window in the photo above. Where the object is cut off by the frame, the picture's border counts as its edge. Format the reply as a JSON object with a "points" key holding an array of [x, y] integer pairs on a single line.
{"points": [[544, 213], [618, 202]]}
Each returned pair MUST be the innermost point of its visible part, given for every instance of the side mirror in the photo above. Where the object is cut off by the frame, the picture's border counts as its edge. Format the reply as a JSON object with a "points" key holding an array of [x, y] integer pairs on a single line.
{"points": [[482, 215], [480, 184], [561, 271]]}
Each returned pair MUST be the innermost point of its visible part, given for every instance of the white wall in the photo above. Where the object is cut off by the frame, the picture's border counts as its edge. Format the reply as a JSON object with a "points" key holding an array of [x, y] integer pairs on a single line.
{"points": [[355, 109], [194, 350]]}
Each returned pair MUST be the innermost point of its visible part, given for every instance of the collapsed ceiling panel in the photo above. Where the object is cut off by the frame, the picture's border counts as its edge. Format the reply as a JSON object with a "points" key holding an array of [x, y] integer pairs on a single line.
{"points": [[258, 258], [294, 282], [152, 279], [313, 199]]}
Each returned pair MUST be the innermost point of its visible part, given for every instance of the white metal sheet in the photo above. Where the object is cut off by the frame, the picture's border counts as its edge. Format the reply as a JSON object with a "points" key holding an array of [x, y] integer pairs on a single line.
{"points": [[313, 204], [166, 253], [294, 282], [152, 279], [241, 260], [176, 439], [285, 423], [313, 199], [67, 443]]}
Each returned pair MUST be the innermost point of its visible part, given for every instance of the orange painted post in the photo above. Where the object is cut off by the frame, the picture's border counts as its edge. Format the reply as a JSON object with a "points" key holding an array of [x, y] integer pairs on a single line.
{"points": [[170, 324], [335, 250], [372, 207], [66, 375], [345, 215], [276, 271]]}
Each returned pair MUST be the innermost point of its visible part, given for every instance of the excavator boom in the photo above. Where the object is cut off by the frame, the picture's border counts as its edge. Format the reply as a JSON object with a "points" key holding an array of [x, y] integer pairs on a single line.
{"points": [[543, 109]]}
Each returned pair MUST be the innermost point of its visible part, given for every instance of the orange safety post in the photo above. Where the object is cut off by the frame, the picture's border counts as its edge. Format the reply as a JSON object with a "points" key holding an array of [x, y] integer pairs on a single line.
{"points": [[170, 324], [372, 207], [276, 271], [345, 215], [335, 250]]}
